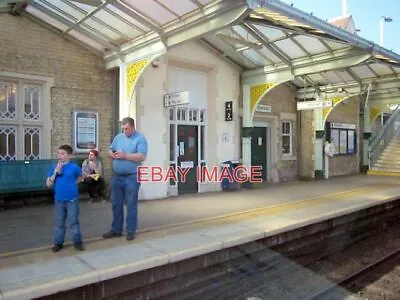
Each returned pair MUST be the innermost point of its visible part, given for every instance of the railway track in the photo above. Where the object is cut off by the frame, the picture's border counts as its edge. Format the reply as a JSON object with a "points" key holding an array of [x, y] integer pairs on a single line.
{"points": [[388, 261]]}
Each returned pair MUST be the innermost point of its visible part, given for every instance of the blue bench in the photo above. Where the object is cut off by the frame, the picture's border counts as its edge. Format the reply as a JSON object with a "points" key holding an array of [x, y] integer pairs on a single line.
{"points": [[27, 176]]}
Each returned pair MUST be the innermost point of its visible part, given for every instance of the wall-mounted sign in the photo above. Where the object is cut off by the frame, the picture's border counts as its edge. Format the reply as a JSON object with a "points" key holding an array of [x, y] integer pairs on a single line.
{"points": [[313, 104], [264, 108], [85, 131], [178, 98], [343, 125], [181, 148], [187, 164], [228, 111], [225, 137]]}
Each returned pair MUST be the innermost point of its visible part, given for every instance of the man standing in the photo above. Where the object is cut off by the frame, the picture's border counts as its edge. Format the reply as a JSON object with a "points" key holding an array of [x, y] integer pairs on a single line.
{"points": [[329, 151], [127, 150]]}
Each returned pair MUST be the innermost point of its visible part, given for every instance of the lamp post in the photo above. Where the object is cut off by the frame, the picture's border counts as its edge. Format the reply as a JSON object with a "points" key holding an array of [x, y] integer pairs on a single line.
{"points": [[383, 20], [381, 25]]}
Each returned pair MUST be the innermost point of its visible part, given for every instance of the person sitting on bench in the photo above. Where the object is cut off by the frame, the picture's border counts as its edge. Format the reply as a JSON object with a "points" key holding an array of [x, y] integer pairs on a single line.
{"points": [[92, 172]]}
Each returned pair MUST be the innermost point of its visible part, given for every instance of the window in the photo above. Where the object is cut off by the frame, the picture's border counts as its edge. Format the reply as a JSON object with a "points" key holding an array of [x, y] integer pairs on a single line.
{"points": [[21, 120], [287, 138]]}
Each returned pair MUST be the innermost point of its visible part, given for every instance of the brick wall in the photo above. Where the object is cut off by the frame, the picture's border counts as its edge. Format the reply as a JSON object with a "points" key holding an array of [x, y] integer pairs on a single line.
{"points": [[80, 79]]}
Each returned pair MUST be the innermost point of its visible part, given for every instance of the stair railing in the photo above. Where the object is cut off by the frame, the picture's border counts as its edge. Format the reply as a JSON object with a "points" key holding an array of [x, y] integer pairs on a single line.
{"points": [[384, 136]]}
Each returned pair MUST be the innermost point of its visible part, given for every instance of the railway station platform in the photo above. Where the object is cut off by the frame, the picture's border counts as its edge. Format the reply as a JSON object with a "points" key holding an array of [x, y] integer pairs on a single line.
{"points": [[174, 234]]}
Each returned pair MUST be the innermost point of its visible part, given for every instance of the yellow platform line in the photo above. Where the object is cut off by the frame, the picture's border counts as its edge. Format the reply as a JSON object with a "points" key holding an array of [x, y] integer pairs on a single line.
{"points": [[254, 210], [383, 173], [318, 198]]}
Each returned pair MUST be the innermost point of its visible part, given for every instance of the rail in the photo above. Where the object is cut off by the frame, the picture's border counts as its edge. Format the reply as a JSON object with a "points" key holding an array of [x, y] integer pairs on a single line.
{"points": [[352, 278], [383, 138]]}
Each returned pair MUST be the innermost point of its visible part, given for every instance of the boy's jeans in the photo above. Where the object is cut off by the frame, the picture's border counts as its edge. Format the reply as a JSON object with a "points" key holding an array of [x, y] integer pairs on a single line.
{"points": [[124, 188], [62, 211]]}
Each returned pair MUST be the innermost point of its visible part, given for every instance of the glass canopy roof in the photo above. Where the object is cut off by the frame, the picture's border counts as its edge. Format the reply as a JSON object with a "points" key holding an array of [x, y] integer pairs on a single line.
{"points": [[269, 35]]}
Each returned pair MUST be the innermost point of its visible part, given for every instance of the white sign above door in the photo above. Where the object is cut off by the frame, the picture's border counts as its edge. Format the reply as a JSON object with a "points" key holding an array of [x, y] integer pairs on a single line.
{"points": [[313, 104], [178, 98], [264, 108]]}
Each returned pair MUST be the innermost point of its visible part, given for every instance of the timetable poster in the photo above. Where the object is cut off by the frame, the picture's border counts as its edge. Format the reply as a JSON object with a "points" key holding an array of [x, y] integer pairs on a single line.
{"points": [[335, 139], [350, 142], [343, 142], [85, 131]]}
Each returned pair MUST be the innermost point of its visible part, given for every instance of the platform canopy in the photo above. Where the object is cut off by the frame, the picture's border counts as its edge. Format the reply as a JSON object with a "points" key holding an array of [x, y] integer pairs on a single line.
{"points": [[267, 40]]}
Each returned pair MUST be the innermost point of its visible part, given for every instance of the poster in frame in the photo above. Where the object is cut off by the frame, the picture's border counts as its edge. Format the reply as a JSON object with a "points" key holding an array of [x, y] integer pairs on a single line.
{"points": [[85, 131], [343, 141], [351, 142], [335, 140]]}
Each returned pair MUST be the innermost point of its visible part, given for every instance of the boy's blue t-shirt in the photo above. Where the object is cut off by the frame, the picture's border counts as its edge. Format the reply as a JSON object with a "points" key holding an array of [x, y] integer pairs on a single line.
{"points": [[65, 186], [136, 143]]}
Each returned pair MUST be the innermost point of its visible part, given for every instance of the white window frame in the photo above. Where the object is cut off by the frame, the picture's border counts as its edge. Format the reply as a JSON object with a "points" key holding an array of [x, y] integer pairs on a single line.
{"points": [[44, 123], [178, 121], [290, 137]]}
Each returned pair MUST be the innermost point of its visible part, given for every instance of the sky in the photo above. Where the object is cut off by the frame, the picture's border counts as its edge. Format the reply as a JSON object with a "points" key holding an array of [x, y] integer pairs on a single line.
{"points": [[366, 15]]}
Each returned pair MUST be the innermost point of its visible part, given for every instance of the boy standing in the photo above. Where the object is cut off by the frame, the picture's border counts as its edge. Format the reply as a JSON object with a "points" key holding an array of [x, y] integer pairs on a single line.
{"points": [[65, 176]]}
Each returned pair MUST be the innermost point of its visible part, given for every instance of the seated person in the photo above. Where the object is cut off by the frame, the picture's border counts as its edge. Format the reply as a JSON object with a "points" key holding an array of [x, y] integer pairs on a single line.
{"points": [[92, 174]]}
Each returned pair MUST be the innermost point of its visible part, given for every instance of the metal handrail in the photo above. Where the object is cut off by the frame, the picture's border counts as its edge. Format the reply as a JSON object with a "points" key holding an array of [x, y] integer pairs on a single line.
{"points": [[383, 138], [385, 127]]}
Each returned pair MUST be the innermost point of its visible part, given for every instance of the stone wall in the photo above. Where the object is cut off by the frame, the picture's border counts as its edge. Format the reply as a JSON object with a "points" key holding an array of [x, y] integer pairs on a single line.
{"points": [[346, 112], [306, 148], [282, 100]]}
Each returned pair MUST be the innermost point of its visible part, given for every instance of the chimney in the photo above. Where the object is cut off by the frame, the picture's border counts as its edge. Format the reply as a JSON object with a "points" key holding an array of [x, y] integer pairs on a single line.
{"points": [[345, 8]]}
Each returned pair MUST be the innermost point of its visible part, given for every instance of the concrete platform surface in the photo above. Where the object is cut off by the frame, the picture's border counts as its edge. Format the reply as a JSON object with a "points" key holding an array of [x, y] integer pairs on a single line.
{"points": [[248, 215], [32, 227]]}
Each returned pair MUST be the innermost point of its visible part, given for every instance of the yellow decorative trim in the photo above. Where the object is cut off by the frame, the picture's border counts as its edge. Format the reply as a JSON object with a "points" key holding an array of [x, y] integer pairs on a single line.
{"points": [[374, 112], [256, 92], [335, 101], [133, 72]]}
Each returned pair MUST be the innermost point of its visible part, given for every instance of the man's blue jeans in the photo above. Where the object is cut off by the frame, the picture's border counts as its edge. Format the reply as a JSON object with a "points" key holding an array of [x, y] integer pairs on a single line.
{"points": [[124, 188], [63, 211]]}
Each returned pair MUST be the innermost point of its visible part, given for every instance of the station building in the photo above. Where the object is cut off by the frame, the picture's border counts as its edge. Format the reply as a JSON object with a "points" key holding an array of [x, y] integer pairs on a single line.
{"points": [[260, 82]]}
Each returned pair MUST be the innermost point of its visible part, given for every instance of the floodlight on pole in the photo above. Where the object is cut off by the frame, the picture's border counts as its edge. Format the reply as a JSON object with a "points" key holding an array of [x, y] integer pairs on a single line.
{"points": [[381, 23]]}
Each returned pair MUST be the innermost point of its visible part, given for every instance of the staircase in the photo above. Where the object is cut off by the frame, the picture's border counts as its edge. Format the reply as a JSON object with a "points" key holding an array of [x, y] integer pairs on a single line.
{"points": [[384, 148], [388, 162]]}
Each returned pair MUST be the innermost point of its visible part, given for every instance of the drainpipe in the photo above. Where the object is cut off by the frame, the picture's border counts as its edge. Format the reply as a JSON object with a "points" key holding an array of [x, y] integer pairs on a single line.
{"points": [[368, 91], [367, 133], [298, 144]]}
